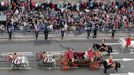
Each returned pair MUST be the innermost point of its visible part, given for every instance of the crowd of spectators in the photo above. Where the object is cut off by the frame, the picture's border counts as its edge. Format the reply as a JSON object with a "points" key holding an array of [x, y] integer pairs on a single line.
{"points": [[72, 16]]}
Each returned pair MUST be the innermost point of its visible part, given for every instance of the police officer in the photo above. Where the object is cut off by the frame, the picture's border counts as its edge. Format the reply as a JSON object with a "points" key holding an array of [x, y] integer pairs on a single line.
{"points": [[89, 25], [113, 31], [95, 31], [62, 32], [10, 32], [36, 31], [46, 31]]}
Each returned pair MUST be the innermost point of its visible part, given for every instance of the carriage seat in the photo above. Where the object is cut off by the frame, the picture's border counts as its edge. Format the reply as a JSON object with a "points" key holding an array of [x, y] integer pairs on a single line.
{"points": [[79, 55]]}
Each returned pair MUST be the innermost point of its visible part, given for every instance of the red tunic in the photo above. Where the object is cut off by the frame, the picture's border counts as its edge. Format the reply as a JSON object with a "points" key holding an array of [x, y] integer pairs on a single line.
{"points": [[128, 43], [69, 55], [110, 62], [91, 54]]}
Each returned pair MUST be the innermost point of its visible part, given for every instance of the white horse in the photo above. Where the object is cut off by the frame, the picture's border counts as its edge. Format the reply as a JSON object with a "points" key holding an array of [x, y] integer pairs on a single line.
{"points": [[123, 43], [20, 62], [49, 62]]}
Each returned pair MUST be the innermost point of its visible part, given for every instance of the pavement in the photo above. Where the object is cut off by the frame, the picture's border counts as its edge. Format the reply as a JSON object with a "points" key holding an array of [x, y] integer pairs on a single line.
{"points": [[69, 36]]}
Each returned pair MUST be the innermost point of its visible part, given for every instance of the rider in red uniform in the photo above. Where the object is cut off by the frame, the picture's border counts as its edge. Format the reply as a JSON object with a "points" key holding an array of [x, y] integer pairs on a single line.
{"points": [[128, 41], [110, 61], [70, 54], [91, 54]]}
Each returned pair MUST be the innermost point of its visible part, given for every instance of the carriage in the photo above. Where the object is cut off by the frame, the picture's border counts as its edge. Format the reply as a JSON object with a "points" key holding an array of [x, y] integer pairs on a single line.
{"points": [[59, 61], [20, 62], [67, 64]]}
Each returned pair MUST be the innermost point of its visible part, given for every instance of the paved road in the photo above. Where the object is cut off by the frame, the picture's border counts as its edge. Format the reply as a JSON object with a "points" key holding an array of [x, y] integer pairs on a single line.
{"points": [[30, 48]]}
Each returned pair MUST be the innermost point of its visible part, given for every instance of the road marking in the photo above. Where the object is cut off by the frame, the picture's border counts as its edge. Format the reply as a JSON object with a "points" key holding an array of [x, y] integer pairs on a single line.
{"points": [[8, 68], [112, 43], [111, 53], [18, 53], [123, 59], [115, 50], [129, 73], [118, 74], [103, 67], [131, 52]]}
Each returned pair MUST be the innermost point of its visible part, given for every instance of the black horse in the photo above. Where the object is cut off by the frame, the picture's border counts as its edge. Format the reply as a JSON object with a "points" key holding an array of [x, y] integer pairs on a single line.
{"points": [[106, 66], [98, 47]]}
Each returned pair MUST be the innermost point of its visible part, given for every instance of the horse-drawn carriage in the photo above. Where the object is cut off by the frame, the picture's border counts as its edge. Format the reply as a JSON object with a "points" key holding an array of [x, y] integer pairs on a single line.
{"points": [[18, 61], [62, 61], [80, 60]]}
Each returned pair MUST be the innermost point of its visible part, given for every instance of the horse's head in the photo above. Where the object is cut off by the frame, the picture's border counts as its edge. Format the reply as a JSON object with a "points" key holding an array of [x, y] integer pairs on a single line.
{"points": [[122, 42], [96, 46]]}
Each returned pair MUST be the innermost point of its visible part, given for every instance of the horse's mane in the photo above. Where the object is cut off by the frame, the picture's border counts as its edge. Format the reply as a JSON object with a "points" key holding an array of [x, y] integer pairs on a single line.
{"points": [[122, 38]]}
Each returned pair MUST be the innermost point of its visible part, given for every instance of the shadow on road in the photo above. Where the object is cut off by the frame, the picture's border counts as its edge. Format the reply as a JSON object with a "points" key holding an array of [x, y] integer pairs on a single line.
{"points": [[42, 42]]}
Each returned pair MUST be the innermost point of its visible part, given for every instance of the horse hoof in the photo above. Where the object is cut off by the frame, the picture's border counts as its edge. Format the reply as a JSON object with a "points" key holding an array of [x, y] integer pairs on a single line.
{"points": [[104, 71]]}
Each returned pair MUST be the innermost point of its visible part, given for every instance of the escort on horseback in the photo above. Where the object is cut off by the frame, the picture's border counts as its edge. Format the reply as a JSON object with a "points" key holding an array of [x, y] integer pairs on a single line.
{"points": [[103, 47], [18, 61], [128, 43]]}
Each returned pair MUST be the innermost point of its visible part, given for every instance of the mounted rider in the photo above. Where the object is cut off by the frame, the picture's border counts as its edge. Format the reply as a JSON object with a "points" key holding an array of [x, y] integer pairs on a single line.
{"points": [[103, 46], [128, 41], [45, 56], [70, 54], [14, 56], [111, 62], [16, 59]]}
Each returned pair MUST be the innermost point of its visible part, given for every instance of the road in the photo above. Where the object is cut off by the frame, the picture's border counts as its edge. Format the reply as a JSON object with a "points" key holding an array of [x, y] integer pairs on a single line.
{"points": [[31, 47]]}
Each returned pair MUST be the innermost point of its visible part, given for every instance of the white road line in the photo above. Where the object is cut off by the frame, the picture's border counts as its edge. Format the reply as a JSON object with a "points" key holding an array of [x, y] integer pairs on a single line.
{"points": [[19, 53], [129, 73], [8, 68], [119, 74], [115, 50], [131, 52], [123, 59], [103, 67], [111, 53], [112, 43]]}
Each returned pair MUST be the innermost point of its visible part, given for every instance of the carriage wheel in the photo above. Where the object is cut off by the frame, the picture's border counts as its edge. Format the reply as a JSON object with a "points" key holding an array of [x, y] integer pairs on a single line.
{"points": [[65, 68], [94, 65]]}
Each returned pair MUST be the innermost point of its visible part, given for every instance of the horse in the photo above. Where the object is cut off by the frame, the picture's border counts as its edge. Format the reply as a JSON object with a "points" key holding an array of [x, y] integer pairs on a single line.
{"points": [[97, 47], [116, 66], [46, 63], [49, 63], [123, 43], [19, 62]]}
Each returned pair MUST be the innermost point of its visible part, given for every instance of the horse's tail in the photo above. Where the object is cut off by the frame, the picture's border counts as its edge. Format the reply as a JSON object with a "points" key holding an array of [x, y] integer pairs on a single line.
{"points": [[119, 65]]}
